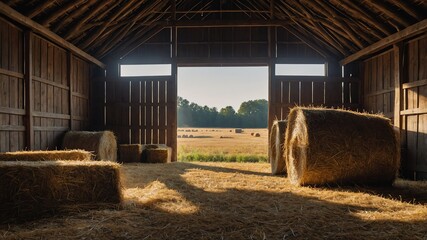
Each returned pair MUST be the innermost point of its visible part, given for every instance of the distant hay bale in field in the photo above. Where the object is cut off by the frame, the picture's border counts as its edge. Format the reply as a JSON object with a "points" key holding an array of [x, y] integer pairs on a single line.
{"points": [[190, 136], [32, 189], [102, 144], [185, 136], [74, 155], [188, 130], [252, 133], [238, 130], [257, 135], [157, 153], [130, 153], [277, 147], [326, 146], [179, 136]]}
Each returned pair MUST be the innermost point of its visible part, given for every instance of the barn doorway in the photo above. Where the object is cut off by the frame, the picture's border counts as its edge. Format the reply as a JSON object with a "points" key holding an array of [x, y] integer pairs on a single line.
{"points": [[223, 113]]}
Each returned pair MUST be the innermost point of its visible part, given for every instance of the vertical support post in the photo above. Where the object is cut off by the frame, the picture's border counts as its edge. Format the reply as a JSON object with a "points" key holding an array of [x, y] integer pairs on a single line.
{"points": [[398, 101], [70, 85], [174, 103], [272, 54], [29, 94]]}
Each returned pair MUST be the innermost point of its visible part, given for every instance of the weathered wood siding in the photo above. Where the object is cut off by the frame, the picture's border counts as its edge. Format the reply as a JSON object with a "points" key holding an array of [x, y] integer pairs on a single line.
{"points": [[414, 112], [12, 109], [59, 90], [378, 84]]}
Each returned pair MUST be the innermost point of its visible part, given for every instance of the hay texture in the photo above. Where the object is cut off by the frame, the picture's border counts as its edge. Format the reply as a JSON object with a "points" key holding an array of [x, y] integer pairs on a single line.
{"points": [[32, 189], [130, 153], [102, 144], [73, 155], [327, 146], [277, 148], [156, 154]]}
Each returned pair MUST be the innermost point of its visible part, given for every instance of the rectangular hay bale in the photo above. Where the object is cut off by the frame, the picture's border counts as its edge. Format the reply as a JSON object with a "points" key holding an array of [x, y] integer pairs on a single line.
{"points": [[156, 154], [73, 155], [33, 189], [130, 153]]}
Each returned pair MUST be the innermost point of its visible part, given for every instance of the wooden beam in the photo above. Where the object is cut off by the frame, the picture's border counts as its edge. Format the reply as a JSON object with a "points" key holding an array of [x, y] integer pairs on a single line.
{"points": [[385, 42], [29, 121], [27, 22], [227, 23], [61, 11], [36, 11], [121, 10], [380, 6], [411, 10], [74, 15]]}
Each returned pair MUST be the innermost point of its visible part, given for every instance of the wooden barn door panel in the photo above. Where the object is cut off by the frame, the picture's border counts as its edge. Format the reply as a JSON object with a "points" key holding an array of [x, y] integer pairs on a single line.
{"points": [[142, 110]]}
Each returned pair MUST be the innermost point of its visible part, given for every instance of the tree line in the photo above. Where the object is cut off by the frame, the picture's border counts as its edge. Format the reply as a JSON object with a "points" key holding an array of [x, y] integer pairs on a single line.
{"points": [[251, 114]]}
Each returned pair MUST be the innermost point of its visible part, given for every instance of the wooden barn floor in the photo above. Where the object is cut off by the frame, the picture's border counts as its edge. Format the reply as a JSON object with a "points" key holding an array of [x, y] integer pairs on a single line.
{"points": [[238, 201]]}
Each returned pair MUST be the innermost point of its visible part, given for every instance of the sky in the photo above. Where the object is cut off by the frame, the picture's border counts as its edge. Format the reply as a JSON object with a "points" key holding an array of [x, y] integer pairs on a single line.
{"points": [[222, 86]]}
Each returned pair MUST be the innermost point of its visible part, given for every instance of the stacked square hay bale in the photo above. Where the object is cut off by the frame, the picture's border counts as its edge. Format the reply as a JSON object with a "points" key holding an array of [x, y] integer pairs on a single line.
{"points": [[277, 147], [74, 155], [32, 189], [326, 146], [130, 153], [156, 153], [102, 144]]}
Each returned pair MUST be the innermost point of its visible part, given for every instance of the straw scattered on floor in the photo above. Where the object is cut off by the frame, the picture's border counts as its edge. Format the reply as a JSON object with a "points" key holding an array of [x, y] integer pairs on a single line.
{"points": [[239, 201]]}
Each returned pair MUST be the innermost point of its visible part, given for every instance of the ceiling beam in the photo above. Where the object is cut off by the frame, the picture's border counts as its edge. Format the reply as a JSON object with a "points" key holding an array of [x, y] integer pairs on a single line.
{"points": [[27, 22], [408, 32], [225, 23]]}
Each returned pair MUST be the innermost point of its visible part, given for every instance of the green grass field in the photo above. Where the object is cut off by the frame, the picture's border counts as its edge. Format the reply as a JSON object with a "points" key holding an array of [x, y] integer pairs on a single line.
{"points": [[222, 145]]}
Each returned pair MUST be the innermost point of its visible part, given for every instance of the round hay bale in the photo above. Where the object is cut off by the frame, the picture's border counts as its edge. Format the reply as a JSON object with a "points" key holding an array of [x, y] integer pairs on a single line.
{"points": [[257, 135], [327, 146], [277, 147], [252, 134], [190, 136], [238, 130], [102, 144], [185, 136]]}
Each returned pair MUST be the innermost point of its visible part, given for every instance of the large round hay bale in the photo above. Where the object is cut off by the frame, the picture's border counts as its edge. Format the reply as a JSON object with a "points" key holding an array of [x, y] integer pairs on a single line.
{"points": [[327, 146], [102, 144], [277, 147]]}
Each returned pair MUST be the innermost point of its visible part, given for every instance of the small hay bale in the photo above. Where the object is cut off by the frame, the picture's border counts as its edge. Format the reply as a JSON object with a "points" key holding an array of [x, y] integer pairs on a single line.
{"points": [[130, 153], [327, 146], [179, 136], [157, 154], [257, 135], [185, 136], [238, 130], [102, 144], [252, 134], [73, 155], [190, 136], [277, 147], [33, 189]]}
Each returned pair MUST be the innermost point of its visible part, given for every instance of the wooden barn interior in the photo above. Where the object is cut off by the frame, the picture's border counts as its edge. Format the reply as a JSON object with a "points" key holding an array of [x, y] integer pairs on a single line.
{"points": [[60, 71]]}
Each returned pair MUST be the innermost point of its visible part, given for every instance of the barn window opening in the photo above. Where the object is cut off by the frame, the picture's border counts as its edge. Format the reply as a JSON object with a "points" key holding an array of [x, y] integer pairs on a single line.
{"points": [[222, 114], [145, 70], [300, 69]]}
